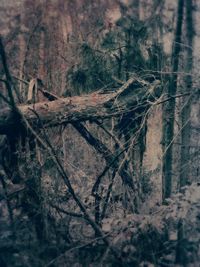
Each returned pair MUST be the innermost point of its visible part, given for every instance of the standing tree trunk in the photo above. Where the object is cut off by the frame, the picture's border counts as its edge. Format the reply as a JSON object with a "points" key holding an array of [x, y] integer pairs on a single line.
{"points": [[169, 109], [186, 110]]}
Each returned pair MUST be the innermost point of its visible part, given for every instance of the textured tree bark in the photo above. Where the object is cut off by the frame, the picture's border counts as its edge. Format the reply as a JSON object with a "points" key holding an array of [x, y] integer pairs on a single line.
{"points": [[185, 115], [82, 108], [168, 123]]}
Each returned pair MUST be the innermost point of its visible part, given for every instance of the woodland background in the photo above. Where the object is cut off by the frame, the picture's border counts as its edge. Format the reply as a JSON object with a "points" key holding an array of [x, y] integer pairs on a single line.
{"points": [[99, 133]]}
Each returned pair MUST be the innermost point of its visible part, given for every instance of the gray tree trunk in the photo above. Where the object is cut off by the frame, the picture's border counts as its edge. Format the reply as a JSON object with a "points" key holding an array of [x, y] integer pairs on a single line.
{"points": [[186, 110], [169, 108]]}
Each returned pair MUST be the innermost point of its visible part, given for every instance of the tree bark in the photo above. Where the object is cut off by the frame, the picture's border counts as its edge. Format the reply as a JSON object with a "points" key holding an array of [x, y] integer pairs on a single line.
{"points": [[168, 124], [185, 115], [82, 108]]}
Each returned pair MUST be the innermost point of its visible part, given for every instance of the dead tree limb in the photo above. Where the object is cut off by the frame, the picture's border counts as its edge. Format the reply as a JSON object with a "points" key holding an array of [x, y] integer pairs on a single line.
{"points": [[82, 108]]}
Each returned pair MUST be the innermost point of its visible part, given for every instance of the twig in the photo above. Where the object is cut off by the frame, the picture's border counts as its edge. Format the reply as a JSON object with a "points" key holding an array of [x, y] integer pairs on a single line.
{"points": [[171, 97], [103, 173], [74, 248], [117, 141], [12, 194], [73, 214], [21, 80]]}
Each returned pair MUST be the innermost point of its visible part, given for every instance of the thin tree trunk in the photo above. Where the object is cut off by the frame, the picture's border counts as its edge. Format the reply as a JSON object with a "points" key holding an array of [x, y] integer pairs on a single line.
{"points": [[185, 115], [168, 124]]}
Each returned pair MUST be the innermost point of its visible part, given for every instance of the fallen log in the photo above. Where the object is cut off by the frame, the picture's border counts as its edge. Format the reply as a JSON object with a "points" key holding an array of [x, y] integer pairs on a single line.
{"points": [[81, 108]]}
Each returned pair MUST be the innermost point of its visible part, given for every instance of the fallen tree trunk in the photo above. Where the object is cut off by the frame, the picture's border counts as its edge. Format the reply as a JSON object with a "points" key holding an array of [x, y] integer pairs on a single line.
{"points": [[81, 108]]}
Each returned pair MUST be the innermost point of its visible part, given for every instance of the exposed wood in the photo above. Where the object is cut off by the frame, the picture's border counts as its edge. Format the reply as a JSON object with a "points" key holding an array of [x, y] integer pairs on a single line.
{"points": [[81, 108]]}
